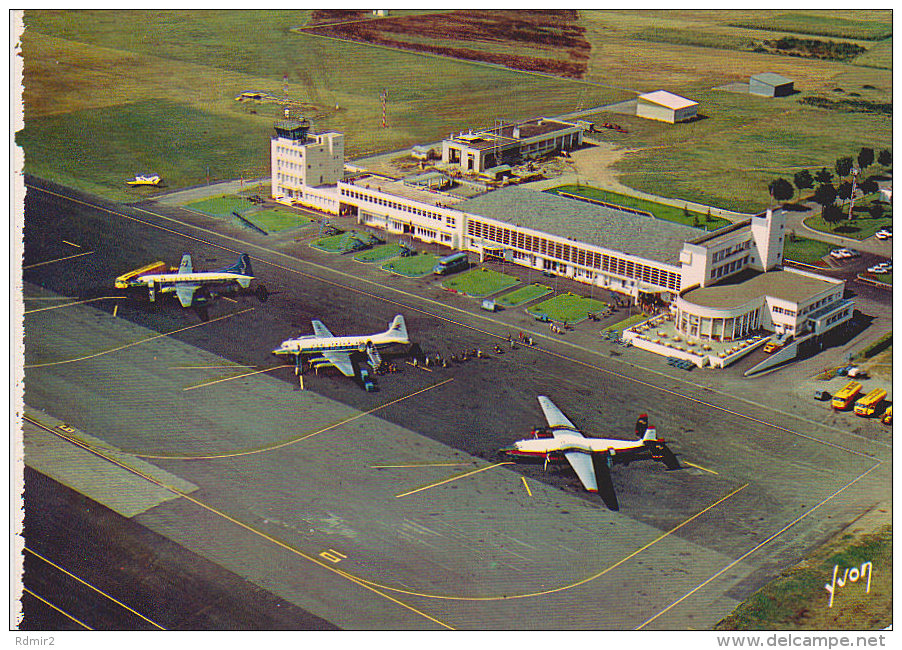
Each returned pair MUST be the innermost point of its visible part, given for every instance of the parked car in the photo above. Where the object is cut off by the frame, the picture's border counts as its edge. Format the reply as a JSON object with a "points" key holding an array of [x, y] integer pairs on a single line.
{"points": [[883, 233], [821, 395], [843, 253], [883, 267]]}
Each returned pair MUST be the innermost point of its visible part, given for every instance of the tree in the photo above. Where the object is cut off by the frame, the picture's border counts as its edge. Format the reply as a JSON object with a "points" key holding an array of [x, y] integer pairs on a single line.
{"points": [[843, 166], [781, 189], [832, 214], [868, 185], [876, 210], [844, 191], [865, 157], [885, 158], [825, 195], [803, 180], [823, 176]]}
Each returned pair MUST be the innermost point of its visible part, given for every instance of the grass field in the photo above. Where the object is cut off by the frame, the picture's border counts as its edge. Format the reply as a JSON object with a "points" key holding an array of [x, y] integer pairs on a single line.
{"points": [[335, 243], [523, 295], [626, 323], [221, 206], [807, 251], [276, 220], [110, 93], [659, 210], [567, 308], [378, 253], [797, 600], [416, 266], [862, 226], [480, 282]]}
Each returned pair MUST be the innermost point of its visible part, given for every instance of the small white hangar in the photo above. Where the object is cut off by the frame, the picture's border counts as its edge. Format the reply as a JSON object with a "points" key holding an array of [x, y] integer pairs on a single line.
{"points": [[666, 107]]}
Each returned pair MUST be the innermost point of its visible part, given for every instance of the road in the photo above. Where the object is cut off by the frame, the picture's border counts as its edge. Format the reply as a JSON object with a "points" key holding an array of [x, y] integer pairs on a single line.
{"points": [[285, 475]]}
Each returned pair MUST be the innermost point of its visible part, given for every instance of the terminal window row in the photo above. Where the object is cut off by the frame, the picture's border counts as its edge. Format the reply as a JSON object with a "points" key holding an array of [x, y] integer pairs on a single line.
{"points": [[403, 207]]}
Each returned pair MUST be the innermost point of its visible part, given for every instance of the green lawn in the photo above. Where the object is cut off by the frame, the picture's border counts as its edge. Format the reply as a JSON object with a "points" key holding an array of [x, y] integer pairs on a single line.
{"points": [[523, 295], [378, 253], [862, 226], [416, 266], [276, 220], [480, 282], [221, 206], [567, 308], [335, 243], [807, 251], [659, 210], [627, 323]]}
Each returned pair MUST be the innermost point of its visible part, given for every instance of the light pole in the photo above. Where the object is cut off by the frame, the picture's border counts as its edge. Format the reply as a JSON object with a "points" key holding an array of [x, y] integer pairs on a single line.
{"points": [[855, 172]]}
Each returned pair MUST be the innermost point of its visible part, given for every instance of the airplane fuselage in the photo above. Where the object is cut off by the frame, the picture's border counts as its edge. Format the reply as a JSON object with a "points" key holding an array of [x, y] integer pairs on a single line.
{"points": [[315, 345], [170, 279]]}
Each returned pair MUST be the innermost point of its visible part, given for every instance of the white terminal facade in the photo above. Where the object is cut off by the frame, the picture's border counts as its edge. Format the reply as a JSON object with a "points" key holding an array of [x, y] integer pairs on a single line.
{"points": [[722, 284]]}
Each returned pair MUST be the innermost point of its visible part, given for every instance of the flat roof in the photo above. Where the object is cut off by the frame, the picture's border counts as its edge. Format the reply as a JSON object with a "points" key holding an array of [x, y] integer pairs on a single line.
{"points": [[503, 135], [398, 188], [647, 237], [668, 99], [771, 78], [735, 291]]}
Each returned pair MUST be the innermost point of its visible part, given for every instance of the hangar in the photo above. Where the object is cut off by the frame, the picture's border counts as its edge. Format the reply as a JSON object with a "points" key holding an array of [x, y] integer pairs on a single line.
{"points": [[666, 107], [770, 84]]}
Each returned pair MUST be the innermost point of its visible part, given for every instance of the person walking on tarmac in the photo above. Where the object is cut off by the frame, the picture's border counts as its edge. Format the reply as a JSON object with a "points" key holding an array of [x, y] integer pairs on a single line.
{"points": [[641, 425]]}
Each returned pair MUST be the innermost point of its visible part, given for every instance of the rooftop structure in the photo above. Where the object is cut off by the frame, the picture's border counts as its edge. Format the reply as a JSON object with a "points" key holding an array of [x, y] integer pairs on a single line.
{"points": [[770, 84], [785, 285]]}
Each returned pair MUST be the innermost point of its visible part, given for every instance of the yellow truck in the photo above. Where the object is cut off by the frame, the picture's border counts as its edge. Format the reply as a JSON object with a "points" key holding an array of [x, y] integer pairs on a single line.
{"points": [[887, 417], [844, 398], [867, 405]]}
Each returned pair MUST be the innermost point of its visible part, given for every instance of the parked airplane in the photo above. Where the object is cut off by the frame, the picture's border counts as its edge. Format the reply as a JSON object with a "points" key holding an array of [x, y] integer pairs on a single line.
{"points": [[336, 350], [590, 458], [185, 282], [144, 179]]}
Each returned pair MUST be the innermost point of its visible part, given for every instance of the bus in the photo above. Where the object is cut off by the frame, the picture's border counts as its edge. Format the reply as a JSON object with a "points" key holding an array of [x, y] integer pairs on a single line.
{"points": [[451, 264], [867, 405], [844, 398]]}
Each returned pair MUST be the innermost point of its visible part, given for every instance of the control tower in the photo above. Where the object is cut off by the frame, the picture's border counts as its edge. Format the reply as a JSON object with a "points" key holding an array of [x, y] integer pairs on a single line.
{"points": [[303, 159]]}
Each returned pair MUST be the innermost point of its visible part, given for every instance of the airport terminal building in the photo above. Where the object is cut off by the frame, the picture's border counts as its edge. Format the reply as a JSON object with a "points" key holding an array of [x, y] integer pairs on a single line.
{"points": [[721, 285]]}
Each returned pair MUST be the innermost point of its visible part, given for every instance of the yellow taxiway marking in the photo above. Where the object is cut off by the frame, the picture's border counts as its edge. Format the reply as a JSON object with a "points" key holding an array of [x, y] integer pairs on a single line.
{"points": [[246, 374], [77, 302], [563, 587], [704, 469], [49, 604], [755, 548], [417, 365], [115, 310], [241, 524], [287, 443], [526, 485], [229, 299], [102, 593], [61, 259], [70, 243], [129, 345], [453, 478], [418, 465], [207, 367]]}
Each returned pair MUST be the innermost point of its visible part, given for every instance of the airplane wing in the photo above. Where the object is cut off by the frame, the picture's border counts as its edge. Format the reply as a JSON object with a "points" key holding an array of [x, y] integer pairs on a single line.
{"points": [[554, 416], [582, 464], [341, 360], [185, 266], [605, 484], [185, 291], [321, 331]]}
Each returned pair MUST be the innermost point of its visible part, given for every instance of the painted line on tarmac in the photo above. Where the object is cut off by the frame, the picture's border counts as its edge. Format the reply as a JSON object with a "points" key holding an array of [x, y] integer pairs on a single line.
{"points": [[704, 469], [87, 584], [61, 259], [246, 374], [241, 524], [418, 465], [261, 450], [469, 315], [129, 345], [208, 367], [453, 478], [49, 604], [564, 587], [78, 302], [755, 548], [526, 485], [70, 243]]}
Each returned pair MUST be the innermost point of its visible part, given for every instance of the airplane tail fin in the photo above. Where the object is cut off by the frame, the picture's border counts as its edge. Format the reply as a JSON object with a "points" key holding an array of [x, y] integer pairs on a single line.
{"points": [[242, 266], [185, 265], [650, 434], [398, 328]]}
